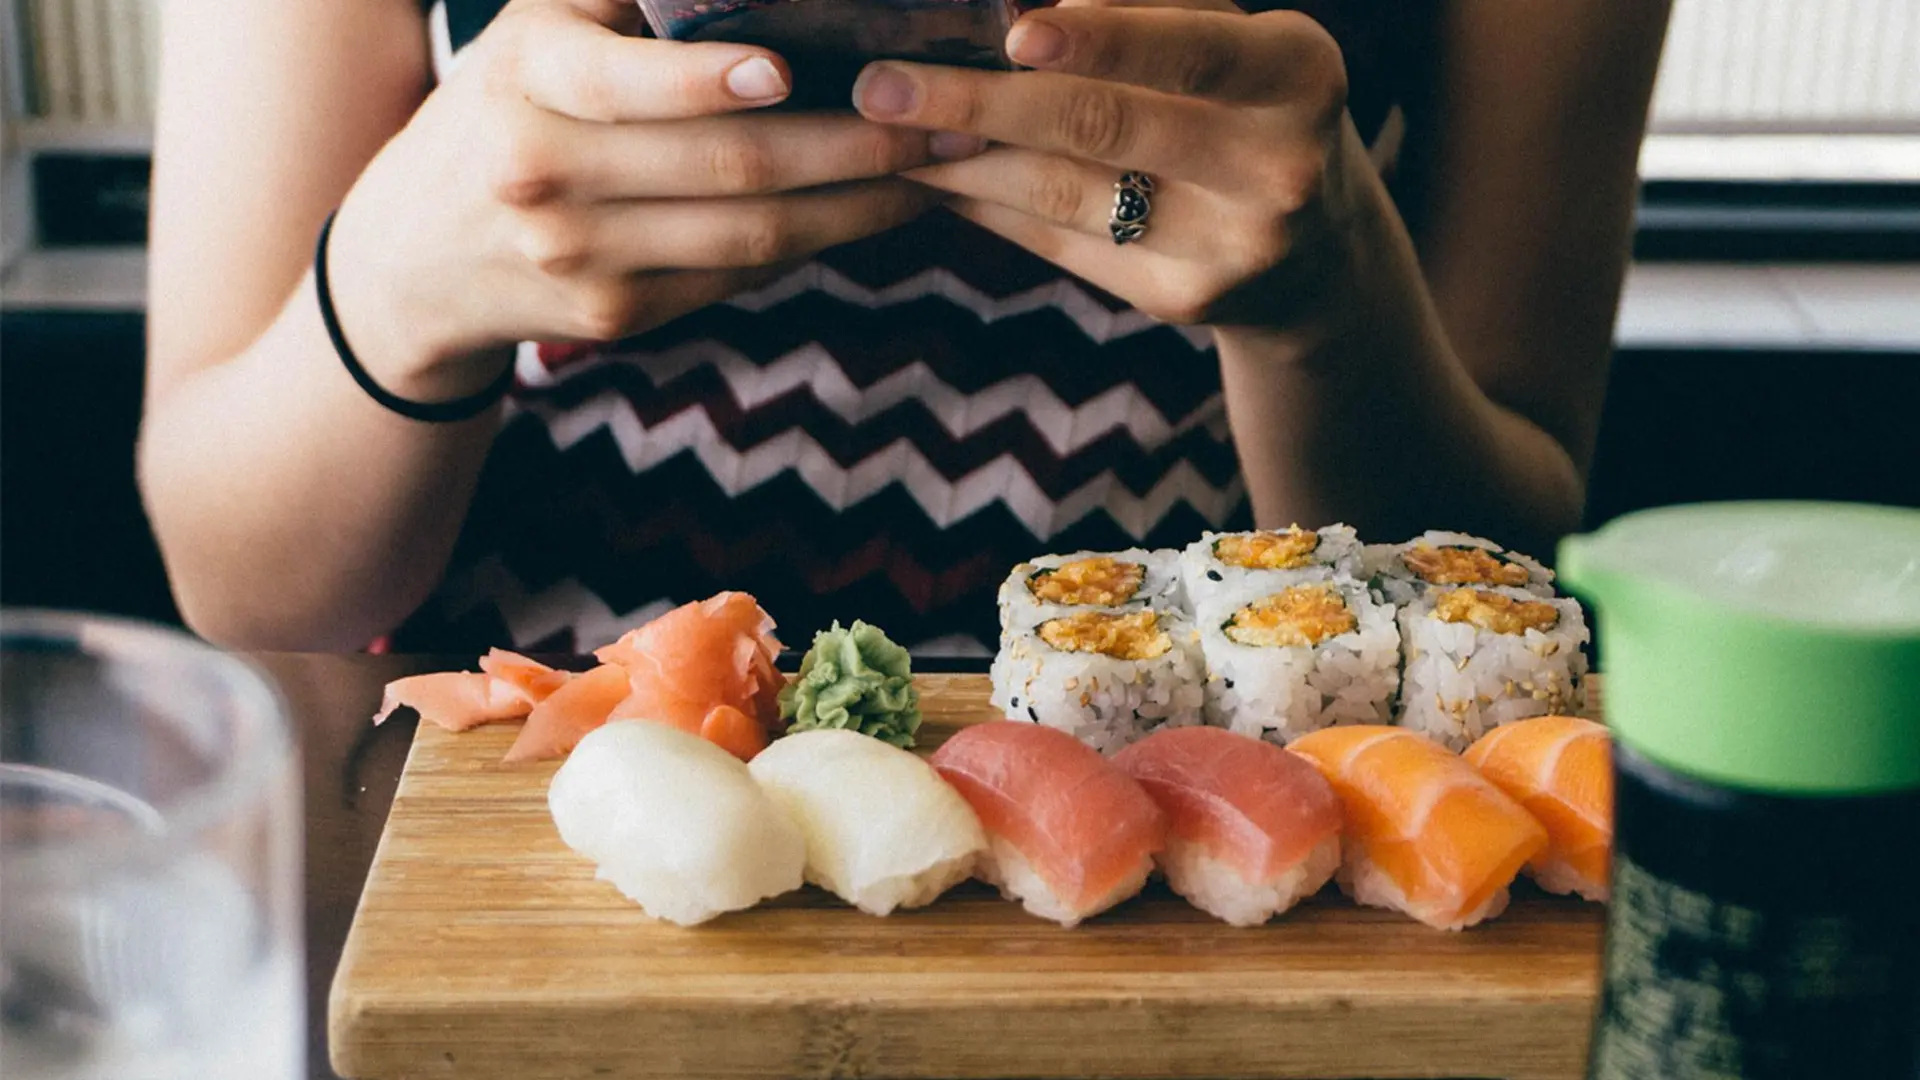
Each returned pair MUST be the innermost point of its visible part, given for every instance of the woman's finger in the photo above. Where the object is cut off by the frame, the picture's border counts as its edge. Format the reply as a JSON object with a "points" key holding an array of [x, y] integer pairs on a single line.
{"points": [[562, 60], [715, 234], [1186, 221], [1207, 54], [557, 158], [1124, 127], [1160, 285]]}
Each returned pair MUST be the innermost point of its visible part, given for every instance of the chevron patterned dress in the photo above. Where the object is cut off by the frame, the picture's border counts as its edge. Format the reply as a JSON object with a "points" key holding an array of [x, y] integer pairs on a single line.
{"points": [[880, 435]]}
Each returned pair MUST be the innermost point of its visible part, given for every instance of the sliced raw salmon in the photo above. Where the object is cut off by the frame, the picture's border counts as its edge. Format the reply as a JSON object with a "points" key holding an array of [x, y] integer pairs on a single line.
{"points": [[1426, 834], [1069, 834], [455, 700], [1561, 769]]}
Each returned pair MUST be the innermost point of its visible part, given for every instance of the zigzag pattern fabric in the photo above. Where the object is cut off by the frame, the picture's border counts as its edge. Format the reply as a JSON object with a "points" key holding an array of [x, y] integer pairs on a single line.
{"points": [[880, 435]]}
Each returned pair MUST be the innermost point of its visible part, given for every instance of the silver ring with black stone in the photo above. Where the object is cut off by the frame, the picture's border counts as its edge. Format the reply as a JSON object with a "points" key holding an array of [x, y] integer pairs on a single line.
{"points": [[1132, 205]]}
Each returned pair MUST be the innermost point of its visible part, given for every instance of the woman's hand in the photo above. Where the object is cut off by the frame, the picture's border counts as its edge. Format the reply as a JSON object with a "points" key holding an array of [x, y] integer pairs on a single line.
{"points": [[1240, 121], [571, 182]]}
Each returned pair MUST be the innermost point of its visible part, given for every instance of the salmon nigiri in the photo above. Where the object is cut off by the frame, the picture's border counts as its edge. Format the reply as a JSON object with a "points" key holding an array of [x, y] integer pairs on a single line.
{"points": [[455, 700], [705, 668], [1068, 834], [564, 717], [1252, 828], [1426, 834], [1561, 769]]}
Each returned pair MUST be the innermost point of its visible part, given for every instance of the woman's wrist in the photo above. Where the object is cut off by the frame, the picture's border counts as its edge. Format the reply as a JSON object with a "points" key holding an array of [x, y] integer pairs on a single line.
{"points": [[409, 341]]}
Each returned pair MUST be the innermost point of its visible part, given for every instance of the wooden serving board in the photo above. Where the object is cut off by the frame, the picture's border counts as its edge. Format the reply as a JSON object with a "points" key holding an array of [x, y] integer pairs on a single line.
{"points": [[484, 948]]}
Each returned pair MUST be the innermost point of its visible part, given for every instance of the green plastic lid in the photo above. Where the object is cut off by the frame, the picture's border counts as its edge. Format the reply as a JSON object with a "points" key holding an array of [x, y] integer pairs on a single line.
{"points": [[1767, 646]]}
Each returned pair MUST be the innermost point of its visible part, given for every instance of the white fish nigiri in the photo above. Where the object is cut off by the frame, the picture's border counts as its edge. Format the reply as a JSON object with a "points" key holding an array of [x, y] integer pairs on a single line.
{"points": [[674, 822], [883, 830]]}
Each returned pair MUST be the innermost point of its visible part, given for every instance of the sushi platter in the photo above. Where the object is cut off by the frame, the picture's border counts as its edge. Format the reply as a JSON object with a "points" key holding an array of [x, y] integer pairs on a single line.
{"points": [[485, 947]]}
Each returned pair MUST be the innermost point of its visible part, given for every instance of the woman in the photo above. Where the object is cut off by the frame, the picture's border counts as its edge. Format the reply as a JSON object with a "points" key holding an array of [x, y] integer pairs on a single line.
{"points": [[861, 362]]}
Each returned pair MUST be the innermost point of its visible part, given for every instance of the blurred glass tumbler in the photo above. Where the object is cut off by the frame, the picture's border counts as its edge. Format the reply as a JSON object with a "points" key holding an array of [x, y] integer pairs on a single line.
{"points": [[150, 859], [827, 42]]}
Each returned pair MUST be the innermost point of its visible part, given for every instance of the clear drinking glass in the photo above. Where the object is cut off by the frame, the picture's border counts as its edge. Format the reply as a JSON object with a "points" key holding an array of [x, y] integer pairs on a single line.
{"points": [[150, 849]]}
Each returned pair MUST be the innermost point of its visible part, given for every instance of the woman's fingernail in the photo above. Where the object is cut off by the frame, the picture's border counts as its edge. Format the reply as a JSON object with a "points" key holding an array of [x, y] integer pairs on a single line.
{"points": [[756, 79], [954, 145], [885, 91], [1036, 43]]}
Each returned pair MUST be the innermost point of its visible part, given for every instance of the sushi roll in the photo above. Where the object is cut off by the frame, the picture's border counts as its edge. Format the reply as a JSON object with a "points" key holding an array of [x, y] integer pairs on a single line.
{"points": [[674, 822], [883, 830], [1477, 658], [1230, 562], [1251, 829], [1405, 572], [1106, 678], [1283, 663], [1425, 834], [1056, 585], [1069, 835]]}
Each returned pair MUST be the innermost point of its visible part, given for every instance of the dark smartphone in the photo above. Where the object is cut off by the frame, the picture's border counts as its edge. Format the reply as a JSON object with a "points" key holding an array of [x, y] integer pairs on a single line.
{"points": [[828, 42]]}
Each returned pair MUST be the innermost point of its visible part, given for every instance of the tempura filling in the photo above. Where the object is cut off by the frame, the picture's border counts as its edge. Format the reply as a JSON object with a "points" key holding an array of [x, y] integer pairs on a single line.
{"points": [[1102, 581], [1462, 566], [1124, 637], [1289, 550], [1304, 615], [1496, 612]]}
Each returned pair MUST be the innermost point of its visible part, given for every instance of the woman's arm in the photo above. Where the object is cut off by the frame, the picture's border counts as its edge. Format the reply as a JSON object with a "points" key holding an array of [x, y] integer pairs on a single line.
{"points": [[274, 485], [1463, 389], [567, 182]]}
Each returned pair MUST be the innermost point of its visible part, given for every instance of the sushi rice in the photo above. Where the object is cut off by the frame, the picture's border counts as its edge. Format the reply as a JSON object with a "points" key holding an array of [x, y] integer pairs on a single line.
{"points": [[1215, 564], [1387, 566], [1087, 580], [1463, 677], [1280, 692], [1103, 698]]}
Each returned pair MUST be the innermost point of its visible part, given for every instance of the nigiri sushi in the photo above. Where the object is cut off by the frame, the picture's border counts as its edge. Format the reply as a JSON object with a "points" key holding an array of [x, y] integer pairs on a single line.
{"points": [[1561, 769], [674, 822], [688, 663], [883, 830], [455, 700], [560, 720], [1426, 834], [1068, 834], [1252, 829]]}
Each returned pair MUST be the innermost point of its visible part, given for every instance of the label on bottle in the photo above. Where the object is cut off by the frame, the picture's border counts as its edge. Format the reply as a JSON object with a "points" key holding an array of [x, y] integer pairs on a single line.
{"points": [[1758, 937]]}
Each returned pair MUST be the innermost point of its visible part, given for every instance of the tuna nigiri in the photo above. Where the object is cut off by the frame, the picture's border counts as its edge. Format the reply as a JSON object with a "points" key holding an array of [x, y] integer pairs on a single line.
{"points": [[674, 822], [455, 700], [883, 830], [1068, 834], [1252, 828], [693, 660], [1560, 768], [1426, 834]]}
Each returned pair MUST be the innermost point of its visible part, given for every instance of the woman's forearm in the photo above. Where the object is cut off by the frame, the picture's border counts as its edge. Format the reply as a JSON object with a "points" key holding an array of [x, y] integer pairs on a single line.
{"points": [[1364, 413], [292, 510]]}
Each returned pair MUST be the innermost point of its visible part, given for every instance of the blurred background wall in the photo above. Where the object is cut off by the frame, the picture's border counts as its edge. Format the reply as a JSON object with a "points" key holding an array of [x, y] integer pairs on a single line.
{"points": [[1769, 345]]}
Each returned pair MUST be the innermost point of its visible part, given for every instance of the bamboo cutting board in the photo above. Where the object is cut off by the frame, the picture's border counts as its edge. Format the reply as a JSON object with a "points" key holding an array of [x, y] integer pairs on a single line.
{"points": [[484, 948]]}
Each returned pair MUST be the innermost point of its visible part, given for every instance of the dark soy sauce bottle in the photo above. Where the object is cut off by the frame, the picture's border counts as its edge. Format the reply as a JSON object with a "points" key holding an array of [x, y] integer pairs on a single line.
{"points": [[1763, 686]]}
